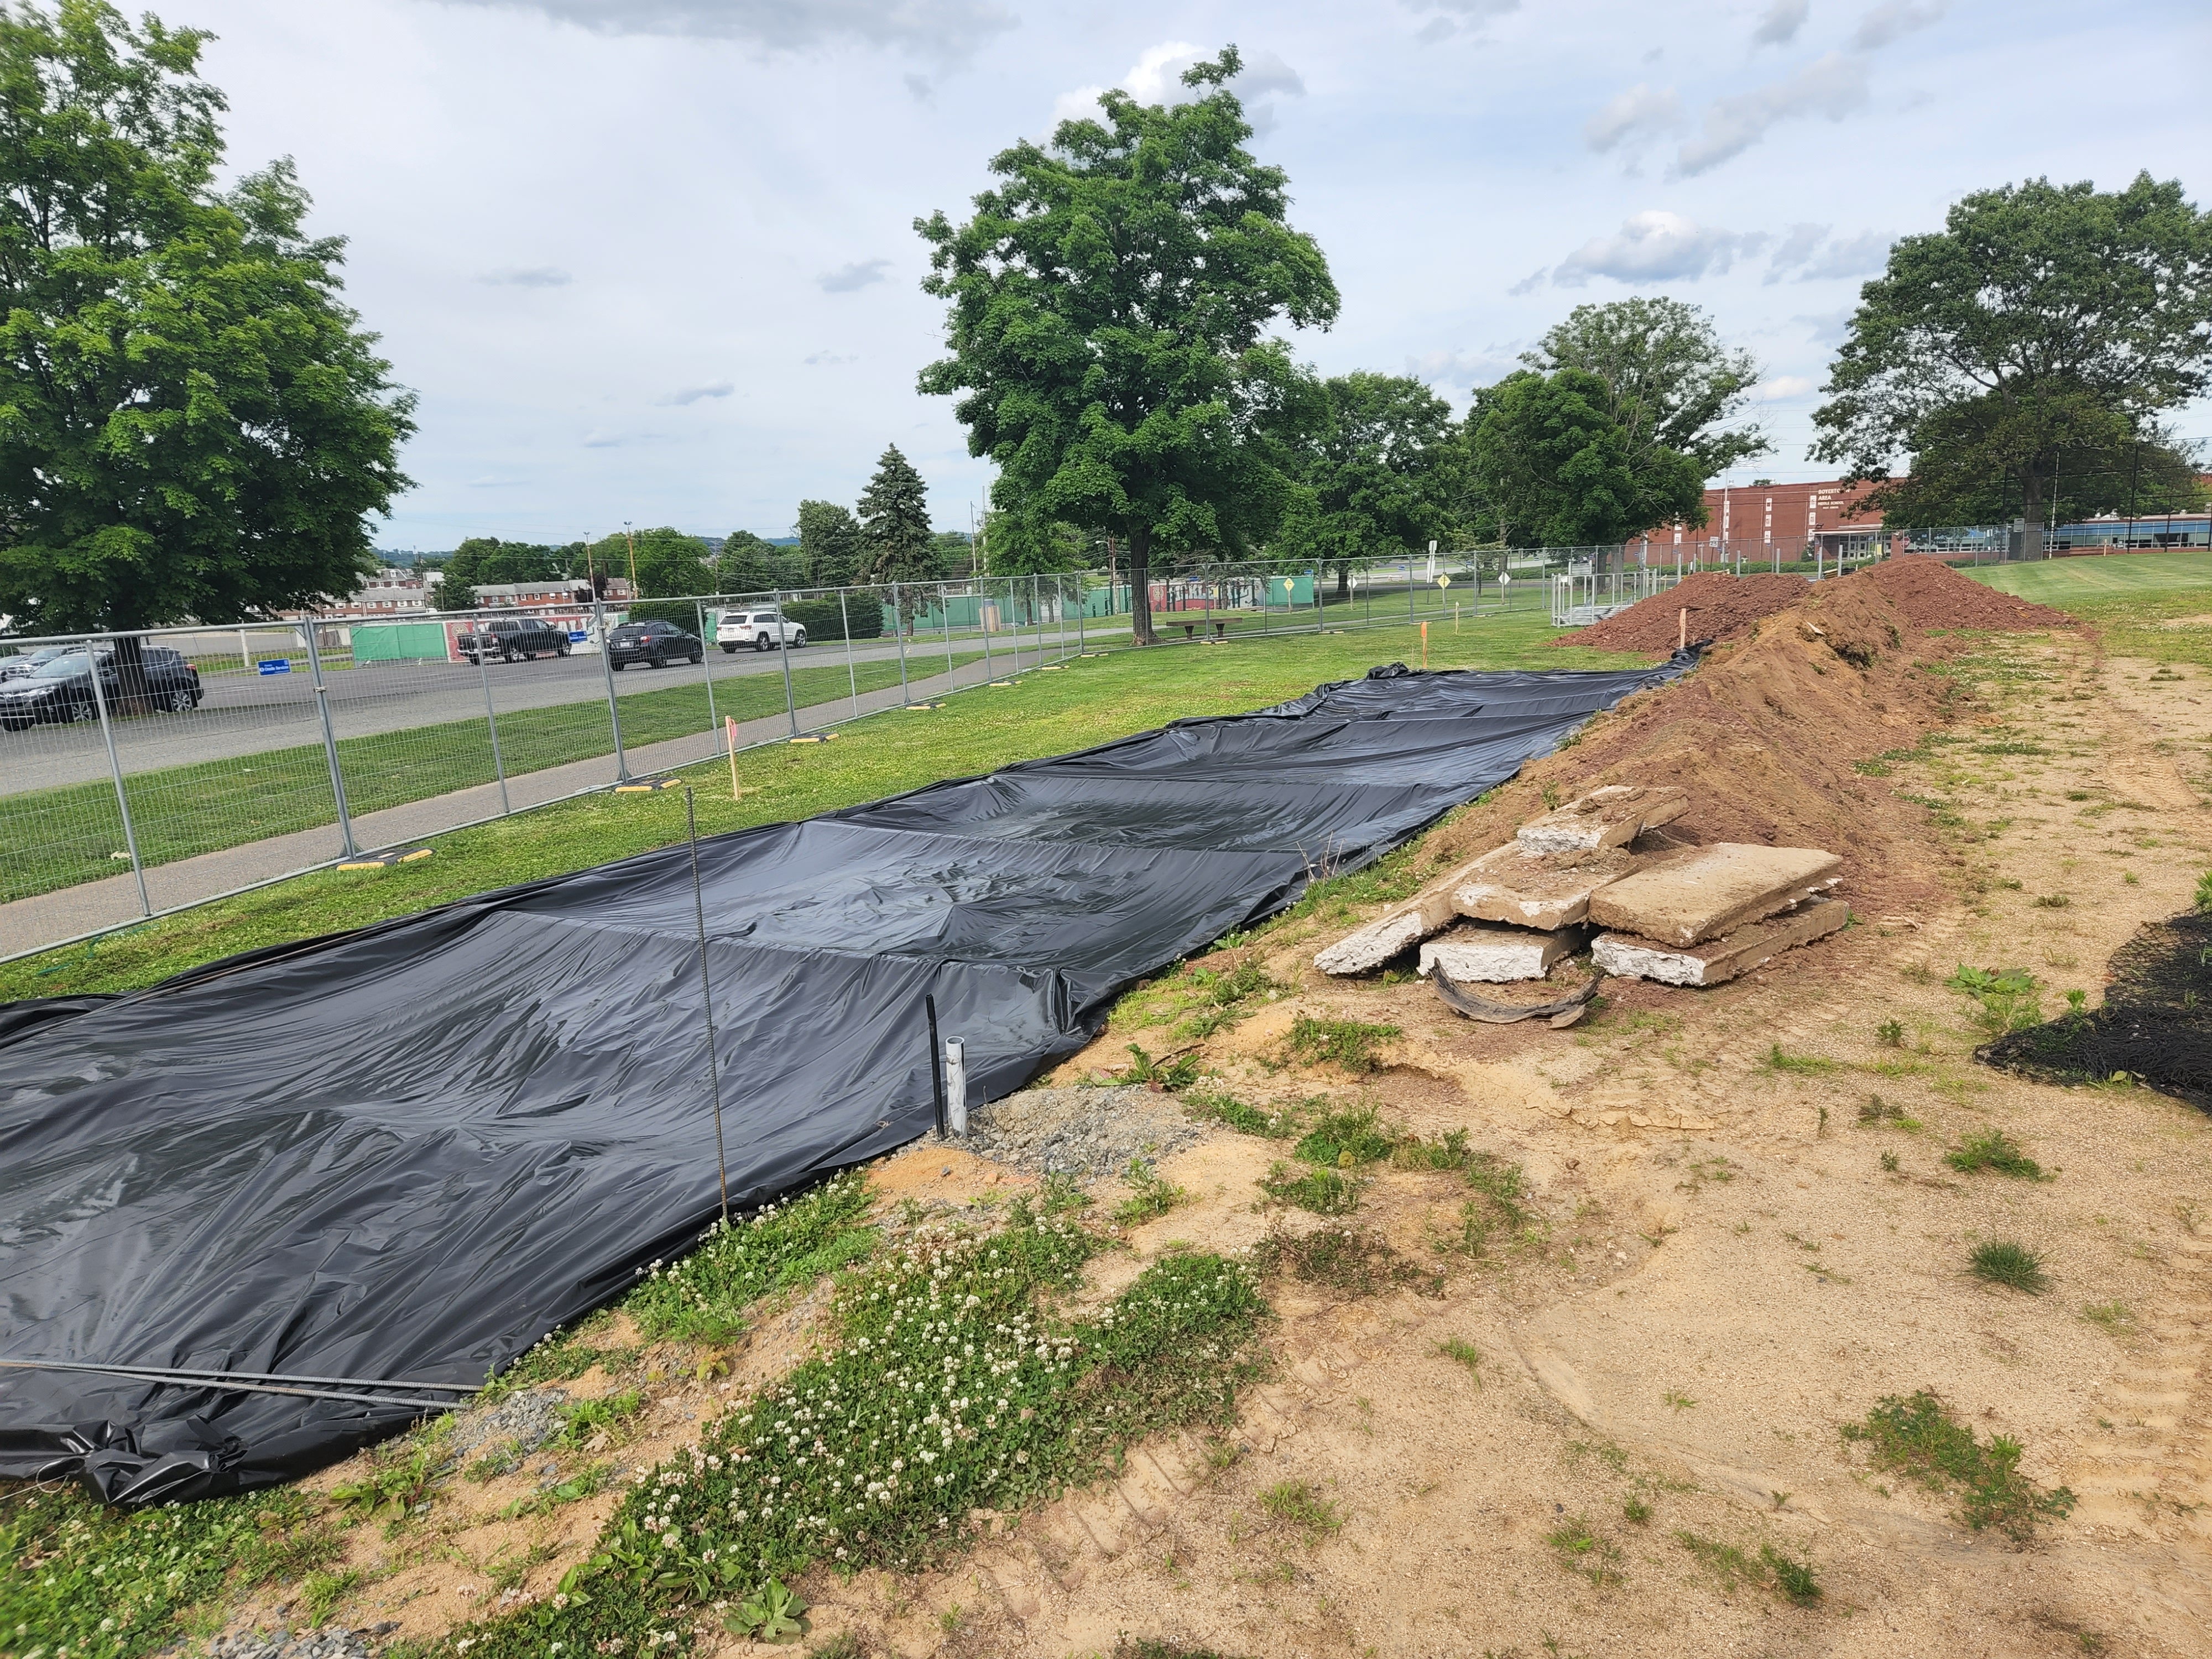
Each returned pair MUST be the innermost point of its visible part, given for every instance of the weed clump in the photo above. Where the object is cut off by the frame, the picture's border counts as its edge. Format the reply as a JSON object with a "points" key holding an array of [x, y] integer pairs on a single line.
{"points": [[1769, 1570], [1350, 1043], [1297, 1504], [1322, 1192], [705, 1296], [1168, 1073], [1345, 1140], [1150, 1194], [1992, 1149], [1213, 1107], [2003, 1262], [1580, 1550], [1916, 1436], [2005, 998], [1347, 1259]]}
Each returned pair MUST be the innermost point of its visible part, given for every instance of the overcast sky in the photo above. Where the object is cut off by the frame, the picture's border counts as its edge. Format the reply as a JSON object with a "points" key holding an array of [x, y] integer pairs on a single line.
{"points": [[653, 260]]}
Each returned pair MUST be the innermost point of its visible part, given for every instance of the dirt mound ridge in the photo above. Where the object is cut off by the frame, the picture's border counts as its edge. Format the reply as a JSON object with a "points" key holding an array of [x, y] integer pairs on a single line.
{"points": [[1932, 595], [1924, 593], [1764, 735], [1720, 605]]}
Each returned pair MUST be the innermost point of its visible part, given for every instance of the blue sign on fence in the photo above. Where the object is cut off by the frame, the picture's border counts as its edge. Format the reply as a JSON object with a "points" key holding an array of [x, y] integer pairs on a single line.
{"points": [[275, 665], [577, 636]]}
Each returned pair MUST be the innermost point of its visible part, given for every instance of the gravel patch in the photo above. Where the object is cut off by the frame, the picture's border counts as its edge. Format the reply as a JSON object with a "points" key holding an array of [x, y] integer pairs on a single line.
{"points": [[1085, 1132], [529, 1419], [331, 1642]]}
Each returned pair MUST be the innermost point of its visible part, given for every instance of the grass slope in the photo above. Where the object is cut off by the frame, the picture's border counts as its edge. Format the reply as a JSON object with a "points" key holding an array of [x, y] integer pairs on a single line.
{"points": [[1045, 713], [2157, 606]]}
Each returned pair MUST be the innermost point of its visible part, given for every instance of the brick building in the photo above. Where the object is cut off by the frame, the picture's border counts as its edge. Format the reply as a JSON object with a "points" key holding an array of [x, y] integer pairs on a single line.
{"points": [[1758, 518]]}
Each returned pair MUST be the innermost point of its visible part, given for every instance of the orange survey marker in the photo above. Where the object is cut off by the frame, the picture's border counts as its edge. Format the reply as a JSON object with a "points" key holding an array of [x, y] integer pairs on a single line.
{"points": [[1425, 645]]}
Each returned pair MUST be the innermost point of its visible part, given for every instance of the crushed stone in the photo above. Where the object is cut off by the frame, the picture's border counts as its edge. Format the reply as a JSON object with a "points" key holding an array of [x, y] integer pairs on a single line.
{"points": [[331, 1642], [528, 1418], [1086, 1134]]}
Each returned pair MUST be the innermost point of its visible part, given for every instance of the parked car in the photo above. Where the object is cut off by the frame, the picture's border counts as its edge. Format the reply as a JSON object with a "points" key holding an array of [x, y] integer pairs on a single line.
{"points": [[25, 663], [59, 690], [658, 643], [763, 630], [510, 637]]}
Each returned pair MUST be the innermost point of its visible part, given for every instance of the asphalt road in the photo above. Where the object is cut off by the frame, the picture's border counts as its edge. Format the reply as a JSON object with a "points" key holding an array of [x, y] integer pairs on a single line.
{"points": [[248, 715]]}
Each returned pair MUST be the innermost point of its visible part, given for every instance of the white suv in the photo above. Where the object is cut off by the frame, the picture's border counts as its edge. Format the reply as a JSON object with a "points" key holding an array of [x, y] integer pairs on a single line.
{"points": [[763, 630]]}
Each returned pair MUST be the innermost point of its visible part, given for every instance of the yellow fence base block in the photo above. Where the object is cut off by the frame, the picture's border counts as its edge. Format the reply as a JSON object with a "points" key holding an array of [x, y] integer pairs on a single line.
{"points": [[1051, 668], [386, 860], [815, 737], [646, 785], [1001, 685]]}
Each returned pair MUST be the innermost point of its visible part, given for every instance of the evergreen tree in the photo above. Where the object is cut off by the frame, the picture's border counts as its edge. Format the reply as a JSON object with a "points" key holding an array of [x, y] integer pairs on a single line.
{"points": [[895, 518]]}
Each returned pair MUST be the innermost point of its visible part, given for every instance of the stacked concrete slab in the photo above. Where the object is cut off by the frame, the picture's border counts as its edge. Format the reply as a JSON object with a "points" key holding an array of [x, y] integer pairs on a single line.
{"points": [[1694, 916]]}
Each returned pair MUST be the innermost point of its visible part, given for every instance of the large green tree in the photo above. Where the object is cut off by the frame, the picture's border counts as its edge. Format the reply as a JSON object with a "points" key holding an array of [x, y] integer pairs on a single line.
{"points": [[901, 547], [669, 563], [1373, 473], [1559, 472], [1669, 379], [2042, 318], [833, 550], [193, 425], [1109, 301]]}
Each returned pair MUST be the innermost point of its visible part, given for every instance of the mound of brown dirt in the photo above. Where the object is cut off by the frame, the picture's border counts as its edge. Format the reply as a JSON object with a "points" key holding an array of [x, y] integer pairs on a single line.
{"points": [[1720, 607], [1763, 736], [1932, 595], [1922, 593]]}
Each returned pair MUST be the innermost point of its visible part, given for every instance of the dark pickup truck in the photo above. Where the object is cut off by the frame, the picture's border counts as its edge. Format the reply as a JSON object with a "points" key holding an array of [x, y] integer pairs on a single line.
{"points": [[510, 637]]}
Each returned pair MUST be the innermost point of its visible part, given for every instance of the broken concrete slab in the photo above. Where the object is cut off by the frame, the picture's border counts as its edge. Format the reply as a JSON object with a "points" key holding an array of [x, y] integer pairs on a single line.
{"points": [[1703, 892], [1496, 952], [1366, 949], [1544, 890], [1611, 816], [1718, 961]]}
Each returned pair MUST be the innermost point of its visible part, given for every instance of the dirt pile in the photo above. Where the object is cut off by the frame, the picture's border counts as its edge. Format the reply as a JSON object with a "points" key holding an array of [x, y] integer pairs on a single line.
{"points": [[1720, 607], [1767, 736], [1931, 594], [1922, 594]]}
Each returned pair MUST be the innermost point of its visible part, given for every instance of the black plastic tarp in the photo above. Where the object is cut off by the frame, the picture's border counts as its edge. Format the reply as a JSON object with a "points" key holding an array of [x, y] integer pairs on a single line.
{"points": [[408, 1152]]}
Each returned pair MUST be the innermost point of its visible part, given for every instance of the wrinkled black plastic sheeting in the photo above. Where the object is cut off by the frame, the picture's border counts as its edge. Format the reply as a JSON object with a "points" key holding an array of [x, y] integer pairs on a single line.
{"points": [[409, 1152]]}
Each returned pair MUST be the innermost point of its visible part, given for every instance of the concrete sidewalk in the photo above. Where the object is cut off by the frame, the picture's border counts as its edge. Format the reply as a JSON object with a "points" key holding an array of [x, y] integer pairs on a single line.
{"points": [[28, 924]]}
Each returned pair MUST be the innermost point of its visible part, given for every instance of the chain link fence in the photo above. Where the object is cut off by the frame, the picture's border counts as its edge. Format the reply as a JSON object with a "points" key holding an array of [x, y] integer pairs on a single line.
{"points": [[143, 773]]}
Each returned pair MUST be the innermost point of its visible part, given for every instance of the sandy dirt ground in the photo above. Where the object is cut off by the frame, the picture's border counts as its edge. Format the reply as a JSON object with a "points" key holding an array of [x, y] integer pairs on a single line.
{"points": [[1717, 1273]]}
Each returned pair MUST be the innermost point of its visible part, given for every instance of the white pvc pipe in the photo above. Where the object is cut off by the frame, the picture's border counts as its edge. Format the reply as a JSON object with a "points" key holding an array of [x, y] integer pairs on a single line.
{"points": [[956, 1087]]}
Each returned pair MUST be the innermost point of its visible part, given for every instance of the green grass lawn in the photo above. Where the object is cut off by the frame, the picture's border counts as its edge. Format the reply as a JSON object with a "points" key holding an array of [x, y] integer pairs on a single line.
{"points": [[54, 838], [2157, 606], [1045, 713]]}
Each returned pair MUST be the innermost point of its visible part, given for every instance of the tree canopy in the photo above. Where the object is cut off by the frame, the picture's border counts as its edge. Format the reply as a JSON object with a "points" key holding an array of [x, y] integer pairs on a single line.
{"points": [[193, 425], [2043, 319], [900, 545], [1372, 477], [485, 561], [668, 563], [1669, 381], [1108, 304], [1559, 470], [833, 550], [753, 564]]}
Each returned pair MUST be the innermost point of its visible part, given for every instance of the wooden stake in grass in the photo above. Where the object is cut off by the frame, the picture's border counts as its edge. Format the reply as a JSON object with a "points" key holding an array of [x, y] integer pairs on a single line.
{"points": [[730, 724]]}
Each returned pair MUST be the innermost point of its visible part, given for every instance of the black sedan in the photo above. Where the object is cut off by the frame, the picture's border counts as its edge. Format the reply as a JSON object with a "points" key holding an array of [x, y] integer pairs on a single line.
{"points": [[59, 690], [658, 643]]}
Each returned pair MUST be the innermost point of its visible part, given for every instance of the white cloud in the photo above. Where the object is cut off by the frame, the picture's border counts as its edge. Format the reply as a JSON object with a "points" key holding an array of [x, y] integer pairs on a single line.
{"points": [[1655, 247], [692, 394], [1640, 112], [1157, 78], [826, 360], [858, 275], [940, 28], [1834, 85], [1812, 254], [1891, 22], [603, 441], [534, 276], [1783, 388], [1452, 16], [920, 87], [1462, 368], [1779, 27]]}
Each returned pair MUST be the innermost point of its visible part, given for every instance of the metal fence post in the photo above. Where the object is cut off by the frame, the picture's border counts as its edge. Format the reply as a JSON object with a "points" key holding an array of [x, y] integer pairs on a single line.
{"points": [[982, 625], [898, 634], [1082, 610], [491, 721], [783, 651], [852, 674], [945, 610], [330, 739], [115, 771], [707, 649], [607, 673]]}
